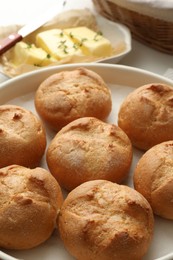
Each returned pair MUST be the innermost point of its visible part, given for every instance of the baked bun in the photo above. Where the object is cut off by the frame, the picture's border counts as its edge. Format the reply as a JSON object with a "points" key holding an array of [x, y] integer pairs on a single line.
{"points": [[30, 200], [89, 149], [146, 115], [68, 95], [101, 220], [153, 178], [22, 137]]}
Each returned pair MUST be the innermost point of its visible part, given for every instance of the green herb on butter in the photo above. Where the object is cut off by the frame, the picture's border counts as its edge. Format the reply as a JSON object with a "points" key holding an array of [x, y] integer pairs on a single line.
{"points": [[96, 36], [56, 44]]}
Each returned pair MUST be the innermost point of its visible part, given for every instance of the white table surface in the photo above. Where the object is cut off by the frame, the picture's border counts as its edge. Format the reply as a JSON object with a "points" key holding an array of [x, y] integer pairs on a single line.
{"points": [[141, 56]]}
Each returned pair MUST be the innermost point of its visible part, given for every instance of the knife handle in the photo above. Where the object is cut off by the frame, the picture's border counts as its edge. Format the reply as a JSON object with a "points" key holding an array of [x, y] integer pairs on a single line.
{"points": [[10, 41]]}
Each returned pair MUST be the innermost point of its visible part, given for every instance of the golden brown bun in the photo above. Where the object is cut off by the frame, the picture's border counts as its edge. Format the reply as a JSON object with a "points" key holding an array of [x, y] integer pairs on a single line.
{"points": [[153, 178], [22, 137], [30, 200], [68, 95], [89, 149], [101, 220], [146, 115]]}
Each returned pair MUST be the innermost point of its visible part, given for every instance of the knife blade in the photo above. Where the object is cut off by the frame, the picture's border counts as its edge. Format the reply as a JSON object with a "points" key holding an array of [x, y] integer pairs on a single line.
{"points": [[13, 38]]}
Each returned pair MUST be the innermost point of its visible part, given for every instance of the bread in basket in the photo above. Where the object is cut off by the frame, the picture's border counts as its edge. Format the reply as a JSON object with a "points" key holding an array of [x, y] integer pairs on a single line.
{"points": [[150, 21]]}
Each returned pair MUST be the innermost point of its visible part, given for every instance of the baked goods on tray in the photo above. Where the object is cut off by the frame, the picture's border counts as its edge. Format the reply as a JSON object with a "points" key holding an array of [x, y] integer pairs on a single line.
{"points": [[68, 95], [22, 137], [30, 200], [102, 220], [89, 149], [84, 148], [146, 115], [153, 178]]}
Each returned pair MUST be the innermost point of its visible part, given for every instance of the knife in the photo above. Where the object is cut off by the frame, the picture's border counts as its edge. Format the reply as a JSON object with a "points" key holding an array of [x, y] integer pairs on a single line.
{"points": [[12, 39]]}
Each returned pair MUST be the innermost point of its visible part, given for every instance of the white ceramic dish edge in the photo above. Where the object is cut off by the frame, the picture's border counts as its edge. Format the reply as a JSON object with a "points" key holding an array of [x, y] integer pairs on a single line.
{"points": [[46, 71], [117, 33]]}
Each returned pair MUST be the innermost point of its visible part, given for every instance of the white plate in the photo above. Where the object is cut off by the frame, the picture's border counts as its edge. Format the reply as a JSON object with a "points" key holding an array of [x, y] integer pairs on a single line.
{"points": [[121, 80], [118, 34]]}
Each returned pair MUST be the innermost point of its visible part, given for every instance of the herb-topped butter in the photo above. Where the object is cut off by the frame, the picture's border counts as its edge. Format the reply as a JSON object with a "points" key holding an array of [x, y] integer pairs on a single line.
{"points": [[91, 43], [57, 43], [30, 54], [74, 41]]}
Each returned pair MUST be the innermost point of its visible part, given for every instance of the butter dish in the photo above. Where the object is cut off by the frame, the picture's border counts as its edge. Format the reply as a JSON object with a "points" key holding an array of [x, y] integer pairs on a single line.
{"points": [[116, 34]]}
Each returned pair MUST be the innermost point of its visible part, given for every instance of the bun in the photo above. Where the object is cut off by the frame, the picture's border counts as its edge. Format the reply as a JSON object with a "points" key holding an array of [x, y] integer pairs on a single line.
{"points": [[146, 115], [68, 95], [153, 178], [30, 201], [89, 149], [22, 137], [100, 220]]}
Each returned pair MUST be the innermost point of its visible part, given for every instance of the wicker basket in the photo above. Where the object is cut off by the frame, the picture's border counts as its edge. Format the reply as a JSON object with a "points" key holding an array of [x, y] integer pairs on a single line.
{"points": [[155, 33]]}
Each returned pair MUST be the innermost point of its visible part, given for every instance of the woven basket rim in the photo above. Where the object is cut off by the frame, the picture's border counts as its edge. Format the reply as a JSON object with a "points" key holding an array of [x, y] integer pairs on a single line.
{"points": [[153, 32]]}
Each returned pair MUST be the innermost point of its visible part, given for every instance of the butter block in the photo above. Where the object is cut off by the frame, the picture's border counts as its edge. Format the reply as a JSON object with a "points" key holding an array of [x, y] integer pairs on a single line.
{"points": [[57, 43], [90, 42], [29, 54]]}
